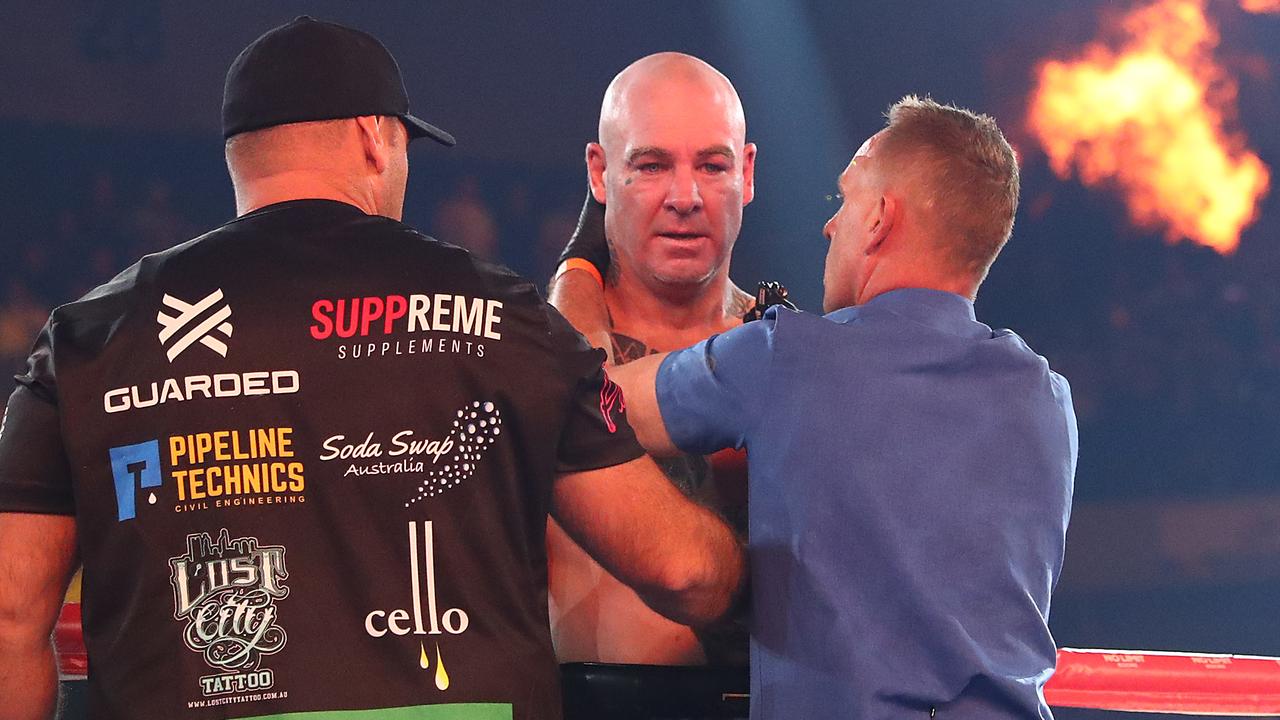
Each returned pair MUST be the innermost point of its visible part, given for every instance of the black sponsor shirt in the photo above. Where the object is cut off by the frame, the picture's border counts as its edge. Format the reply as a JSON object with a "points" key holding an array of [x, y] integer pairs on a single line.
{"points": [[310, 457]]}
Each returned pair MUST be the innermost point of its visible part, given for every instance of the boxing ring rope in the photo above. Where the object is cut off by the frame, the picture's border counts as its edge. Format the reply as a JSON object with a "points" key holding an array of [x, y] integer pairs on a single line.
{"points": [[1118, 680]]}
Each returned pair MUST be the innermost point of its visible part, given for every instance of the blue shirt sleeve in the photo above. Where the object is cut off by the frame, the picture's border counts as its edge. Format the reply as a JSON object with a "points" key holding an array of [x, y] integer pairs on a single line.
{"points": [[712, 394]]}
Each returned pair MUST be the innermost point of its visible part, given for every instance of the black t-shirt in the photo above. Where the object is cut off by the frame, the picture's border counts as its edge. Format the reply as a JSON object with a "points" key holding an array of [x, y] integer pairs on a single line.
{"points": [[310, 457]]}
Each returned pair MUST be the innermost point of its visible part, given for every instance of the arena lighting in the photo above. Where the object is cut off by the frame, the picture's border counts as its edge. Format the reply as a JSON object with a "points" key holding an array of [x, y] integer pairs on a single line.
{"points": [[1151, 114], [792, 116]]}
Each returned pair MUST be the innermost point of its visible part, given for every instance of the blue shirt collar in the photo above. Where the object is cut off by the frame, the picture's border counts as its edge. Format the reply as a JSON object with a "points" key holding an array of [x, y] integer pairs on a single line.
{"points": [[937, 309]]}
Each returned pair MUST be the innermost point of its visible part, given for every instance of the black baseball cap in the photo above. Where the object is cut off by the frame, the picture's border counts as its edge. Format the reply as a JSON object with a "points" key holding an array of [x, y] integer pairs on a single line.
{"points": [[314, 70]]}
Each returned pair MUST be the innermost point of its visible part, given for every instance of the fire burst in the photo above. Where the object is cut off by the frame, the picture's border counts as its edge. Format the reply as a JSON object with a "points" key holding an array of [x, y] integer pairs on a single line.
{"points": [[1151, 119]]}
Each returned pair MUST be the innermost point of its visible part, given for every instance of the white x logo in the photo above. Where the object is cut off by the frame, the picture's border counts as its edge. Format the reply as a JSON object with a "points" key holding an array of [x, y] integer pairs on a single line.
{"points": [[201, 332]]}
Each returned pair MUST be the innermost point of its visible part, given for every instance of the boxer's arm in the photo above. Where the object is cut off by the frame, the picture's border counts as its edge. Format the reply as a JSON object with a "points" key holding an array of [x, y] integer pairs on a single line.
{"points": [[577, 290], [680, 557], [37, 557], [580, 298]]}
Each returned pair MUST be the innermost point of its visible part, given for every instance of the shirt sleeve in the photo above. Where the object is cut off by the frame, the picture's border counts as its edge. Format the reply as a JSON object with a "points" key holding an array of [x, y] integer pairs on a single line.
{"points": [[596, 433], [712, 394], [35, 476]]}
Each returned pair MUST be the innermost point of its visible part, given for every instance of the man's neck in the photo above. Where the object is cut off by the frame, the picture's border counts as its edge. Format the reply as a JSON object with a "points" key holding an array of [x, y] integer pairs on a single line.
{"points": [[674, 318], [923, 273], [283, 187]]}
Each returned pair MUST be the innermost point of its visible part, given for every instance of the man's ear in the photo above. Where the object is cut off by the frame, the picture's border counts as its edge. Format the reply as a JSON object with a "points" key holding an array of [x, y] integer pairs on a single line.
{"points": [[748, 173], [595, 171], [880, 220], [377, 151]]}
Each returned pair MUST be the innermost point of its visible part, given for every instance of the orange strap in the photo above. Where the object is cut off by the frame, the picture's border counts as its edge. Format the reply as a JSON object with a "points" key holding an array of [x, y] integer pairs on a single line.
{"points": [[580, 264]]}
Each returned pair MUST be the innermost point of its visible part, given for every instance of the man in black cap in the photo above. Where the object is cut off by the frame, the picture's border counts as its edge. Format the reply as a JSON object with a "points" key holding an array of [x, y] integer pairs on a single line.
{"points": [[306, 459]]}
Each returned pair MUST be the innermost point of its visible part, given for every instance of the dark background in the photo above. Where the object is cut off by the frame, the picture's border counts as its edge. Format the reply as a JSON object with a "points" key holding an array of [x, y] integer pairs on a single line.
{"points": [[109, 148]]}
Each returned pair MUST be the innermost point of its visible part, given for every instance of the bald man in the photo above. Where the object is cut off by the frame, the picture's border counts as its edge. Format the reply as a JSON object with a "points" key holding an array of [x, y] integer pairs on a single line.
{"points": [[307, 458], [674, 171]]}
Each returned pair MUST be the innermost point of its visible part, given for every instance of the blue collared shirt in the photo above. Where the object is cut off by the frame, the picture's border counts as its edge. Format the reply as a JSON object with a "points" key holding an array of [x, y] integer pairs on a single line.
{"points": [[910, 483]]}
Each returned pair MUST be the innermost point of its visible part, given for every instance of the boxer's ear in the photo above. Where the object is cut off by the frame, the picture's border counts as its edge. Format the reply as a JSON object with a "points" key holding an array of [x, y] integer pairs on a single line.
{"points": [[748, 173], [595, 171]]}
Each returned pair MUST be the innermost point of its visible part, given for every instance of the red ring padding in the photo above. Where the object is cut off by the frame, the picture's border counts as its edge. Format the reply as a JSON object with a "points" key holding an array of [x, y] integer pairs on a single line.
{"points": [[1166, 682], [73, 662]]}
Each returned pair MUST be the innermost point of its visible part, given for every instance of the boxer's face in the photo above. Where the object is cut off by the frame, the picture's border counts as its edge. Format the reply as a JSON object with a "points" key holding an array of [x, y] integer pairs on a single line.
{"points": [[850, 232], [677, 177]]}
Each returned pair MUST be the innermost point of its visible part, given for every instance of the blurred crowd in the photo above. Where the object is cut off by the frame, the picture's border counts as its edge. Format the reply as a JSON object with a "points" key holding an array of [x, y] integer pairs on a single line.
{"points": [[1173, 351], [80, 246]]}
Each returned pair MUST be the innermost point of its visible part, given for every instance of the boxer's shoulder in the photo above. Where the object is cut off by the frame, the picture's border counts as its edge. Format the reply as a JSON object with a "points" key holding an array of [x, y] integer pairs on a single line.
{"points": [[738, 303]]}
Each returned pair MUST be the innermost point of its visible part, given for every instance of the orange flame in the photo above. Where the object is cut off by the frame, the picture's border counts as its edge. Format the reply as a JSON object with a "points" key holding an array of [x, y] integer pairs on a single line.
{"points": [[1261, 6], [1150, 119]]}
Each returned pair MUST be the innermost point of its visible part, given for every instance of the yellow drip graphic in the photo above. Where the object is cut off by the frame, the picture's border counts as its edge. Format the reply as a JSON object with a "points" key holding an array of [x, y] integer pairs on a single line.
{"points": [[423, 660], [442, 677]]}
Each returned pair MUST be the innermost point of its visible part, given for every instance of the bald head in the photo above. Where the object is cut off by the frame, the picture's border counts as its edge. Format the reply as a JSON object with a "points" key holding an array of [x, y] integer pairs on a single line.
{"points": [[668, 75], [674, 171]]}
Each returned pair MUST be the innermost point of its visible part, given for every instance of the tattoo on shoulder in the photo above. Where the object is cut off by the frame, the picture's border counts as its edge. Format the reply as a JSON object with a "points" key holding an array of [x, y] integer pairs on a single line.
{"points": [[740, 305], [626, 349]]}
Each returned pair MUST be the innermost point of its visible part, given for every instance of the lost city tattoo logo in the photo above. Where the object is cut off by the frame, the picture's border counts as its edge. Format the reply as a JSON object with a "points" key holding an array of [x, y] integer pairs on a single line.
{"points": [[226, 590]]}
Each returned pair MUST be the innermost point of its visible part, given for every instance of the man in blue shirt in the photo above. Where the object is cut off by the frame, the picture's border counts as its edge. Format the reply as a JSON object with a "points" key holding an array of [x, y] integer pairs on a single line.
{"points": [[910, 468]]}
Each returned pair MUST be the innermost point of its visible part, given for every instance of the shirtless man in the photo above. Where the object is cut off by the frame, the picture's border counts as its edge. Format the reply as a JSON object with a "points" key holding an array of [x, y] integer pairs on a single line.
{"points": [[674, 171]]}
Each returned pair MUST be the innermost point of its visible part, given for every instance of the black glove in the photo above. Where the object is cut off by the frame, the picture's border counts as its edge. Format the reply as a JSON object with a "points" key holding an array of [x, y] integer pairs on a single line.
{"points": [[588, 241], [768, 294]]}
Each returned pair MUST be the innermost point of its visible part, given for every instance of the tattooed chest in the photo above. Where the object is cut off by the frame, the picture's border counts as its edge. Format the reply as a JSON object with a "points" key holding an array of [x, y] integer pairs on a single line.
{"points": [[626, 348]]}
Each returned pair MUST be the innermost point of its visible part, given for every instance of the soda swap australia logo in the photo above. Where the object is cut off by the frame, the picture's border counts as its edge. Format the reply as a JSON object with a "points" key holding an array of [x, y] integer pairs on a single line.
{"points": [[439, 464], [421, 620], [226, 590]]}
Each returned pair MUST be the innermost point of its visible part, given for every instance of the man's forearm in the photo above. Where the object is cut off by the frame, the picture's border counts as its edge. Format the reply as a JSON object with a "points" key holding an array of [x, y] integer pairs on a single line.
{"points": [[28, 680], [702, 587], [37, 557], [638, 380], [681, 558]]}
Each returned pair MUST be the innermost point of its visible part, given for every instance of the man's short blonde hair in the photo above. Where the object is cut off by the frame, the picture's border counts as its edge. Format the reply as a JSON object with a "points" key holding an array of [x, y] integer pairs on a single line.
{"points": [[964, 167]]}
